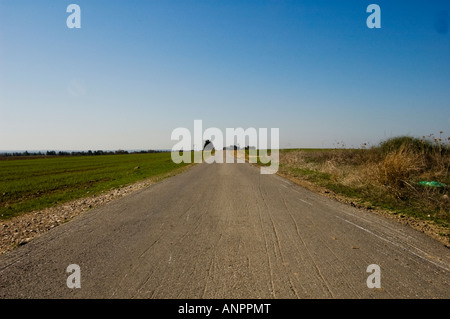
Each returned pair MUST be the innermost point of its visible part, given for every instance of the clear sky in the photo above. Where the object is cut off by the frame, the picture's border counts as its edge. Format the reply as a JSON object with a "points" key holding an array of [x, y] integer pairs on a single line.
{"points": [[137, 69]]}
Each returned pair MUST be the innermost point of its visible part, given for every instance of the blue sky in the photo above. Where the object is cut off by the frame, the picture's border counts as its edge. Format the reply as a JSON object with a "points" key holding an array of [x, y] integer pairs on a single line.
{"points": [[136, 70]]}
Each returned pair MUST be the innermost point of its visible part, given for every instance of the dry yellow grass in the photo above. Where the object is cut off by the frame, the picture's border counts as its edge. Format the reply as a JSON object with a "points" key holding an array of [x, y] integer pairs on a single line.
{"points": [[386, 176], [397, 168]]}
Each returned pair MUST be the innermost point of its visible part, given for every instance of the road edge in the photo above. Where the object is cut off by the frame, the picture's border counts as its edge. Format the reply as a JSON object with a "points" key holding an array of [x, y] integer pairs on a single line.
{"points": [[22, 229], [430, 229]]}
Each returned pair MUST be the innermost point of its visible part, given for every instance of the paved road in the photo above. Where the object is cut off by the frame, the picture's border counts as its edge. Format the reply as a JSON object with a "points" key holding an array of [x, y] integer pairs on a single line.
{"points": [[226, 231]]}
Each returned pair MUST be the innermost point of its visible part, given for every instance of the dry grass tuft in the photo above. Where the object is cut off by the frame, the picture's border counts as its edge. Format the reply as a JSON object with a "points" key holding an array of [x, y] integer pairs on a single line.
{"points": [[387, 176], [396, 169]]}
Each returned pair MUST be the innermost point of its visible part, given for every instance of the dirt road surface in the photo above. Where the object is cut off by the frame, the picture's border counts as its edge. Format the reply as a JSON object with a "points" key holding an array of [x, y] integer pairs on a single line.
{"points": [[226, 231]]}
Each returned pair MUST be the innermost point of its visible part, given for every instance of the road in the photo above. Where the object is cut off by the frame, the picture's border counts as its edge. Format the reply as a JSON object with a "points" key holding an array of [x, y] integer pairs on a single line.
{"points": [[226, 231]]}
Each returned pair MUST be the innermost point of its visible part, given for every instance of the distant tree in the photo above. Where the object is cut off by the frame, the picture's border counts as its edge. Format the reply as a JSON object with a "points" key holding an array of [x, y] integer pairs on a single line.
{"points": [[209, 146]]}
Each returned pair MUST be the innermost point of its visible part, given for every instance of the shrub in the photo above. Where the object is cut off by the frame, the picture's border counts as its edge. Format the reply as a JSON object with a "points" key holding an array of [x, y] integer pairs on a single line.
{"points": [[395, 170]]}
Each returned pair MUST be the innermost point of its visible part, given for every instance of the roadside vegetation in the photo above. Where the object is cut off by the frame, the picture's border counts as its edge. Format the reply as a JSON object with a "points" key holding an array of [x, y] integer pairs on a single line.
{"points": [[405, 176], [28, 184]]}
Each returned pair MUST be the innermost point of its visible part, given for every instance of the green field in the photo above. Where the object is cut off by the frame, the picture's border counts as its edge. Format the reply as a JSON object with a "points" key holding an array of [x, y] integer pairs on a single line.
{"points": [[31, 184]]}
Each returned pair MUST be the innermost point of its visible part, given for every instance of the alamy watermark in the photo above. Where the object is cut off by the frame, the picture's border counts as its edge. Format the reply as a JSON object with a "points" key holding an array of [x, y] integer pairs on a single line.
{"points": [[374, 19], [212, 146], [74, 279], [374, 279], [73, 21]]}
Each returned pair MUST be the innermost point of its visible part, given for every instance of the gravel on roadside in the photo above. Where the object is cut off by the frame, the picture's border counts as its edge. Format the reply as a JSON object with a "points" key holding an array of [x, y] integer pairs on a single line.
{"points": [[22, 229]]}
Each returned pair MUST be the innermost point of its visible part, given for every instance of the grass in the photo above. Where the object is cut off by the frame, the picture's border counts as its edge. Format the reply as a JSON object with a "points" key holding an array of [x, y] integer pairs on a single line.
{"points": [[32, 184], [386, 176]]}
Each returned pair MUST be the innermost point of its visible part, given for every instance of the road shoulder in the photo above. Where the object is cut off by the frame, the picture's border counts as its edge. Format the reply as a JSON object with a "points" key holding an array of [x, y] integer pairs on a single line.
{"points": [[22, 229]]}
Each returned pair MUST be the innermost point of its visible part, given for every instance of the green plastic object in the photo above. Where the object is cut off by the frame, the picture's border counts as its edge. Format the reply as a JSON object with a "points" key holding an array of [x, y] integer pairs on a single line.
{"points": [[432, 184]]}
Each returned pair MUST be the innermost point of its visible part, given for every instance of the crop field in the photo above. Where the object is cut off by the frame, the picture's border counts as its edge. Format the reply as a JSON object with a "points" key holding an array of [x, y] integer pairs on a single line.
{"points": [[37, 183]]}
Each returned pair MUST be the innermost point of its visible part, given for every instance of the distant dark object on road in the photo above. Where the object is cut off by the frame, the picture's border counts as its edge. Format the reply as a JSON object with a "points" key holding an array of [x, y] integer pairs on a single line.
{"points": [[209, 146]]}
